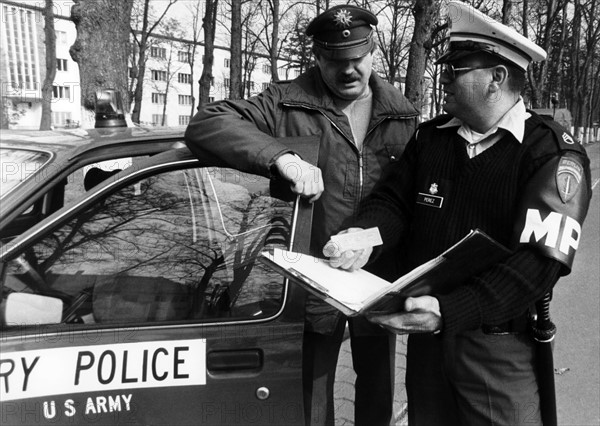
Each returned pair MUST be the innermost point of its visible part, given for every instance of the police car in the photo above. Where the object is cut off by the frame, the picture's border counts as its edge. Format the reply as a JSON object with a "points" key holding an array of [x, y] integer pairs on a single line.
{"points": [[131, 290]]}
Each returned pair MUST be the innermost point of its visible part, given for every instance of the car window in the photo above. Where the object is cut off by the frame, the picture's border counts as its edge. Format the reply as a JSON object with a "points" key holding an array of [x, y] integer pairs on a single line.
{"points": [[177, 246], [64, 192], [19, 164]]}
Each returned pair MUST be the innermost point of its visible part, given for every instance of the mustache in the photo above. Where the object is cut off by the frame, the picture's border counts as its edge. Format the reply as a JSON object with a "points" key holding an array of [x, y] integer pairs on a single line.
{"points": [[348, 78]]}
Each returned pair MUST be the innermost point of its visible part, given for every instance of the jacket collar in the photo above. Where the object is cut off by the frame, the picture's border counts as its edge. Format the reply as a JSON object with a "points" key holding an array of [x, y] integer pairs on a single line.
{"points": [[513, 122], [309, 90]]}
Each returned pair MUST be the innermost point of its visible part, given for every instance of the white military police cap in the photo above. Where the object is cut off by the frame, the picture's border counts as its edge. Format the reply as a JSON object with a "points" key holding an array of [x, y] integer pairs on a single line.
{"points": [[472, 31]]}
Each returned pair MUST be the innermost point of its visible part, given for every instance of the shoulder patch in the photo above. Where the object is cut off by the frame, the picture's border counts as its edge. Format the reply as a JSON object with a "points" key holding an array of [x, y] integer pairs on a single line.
{"points": [[564, 139], [569, 175], [567, 138]]}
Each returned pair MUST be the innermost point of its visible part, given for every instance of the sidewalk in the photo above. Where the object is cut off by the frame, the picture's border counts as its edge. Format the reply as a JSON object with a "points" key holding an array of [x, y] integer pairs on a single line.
{"points": [[344, 385]]}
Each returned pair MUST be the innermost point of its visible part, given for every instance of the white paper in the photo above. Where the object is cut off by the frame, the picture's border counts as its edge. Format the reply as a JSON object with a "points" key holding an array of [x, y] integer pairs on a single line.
{"points": [[358, 240], [351, 288]]}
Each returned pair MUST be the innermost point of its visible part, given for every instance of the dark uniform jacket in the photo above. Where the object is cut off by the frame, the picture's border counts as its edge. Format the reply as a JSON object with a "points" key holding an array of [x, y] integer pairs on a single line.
{"points": [[244, 135], [530, 196]]}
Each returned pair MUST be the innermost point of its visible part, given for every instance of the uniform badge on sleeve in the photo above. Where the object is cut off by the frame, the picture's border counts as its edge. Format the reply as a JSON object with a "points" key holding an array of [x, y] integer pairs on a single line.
{"points": [[568, 177]]}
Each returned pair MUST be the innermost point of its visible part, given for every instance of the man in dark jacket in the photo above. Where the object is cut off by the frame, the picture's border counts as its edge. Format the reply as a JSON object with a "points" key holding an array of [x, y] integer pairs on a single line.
{"points": [[362, 124], [493, 165]]}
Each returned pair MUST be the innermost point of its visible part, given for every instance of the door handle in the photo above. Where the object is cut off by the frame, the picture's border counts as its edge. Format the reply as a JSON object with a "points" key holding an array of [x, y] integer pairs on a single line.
{"points": [[230, 361]]}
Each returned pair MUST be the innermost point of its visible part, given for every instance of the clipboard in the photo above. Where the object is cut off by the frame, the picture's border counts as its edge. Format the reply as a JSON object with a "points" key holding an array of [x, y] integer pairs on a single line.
{"points": [[359, 292]]}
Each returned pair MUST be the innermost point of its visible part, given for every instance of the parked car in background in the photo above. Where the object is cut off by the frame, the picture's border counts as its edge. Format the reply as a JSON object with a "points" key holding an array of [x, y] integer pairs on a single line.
{"points": [[131, 290]]}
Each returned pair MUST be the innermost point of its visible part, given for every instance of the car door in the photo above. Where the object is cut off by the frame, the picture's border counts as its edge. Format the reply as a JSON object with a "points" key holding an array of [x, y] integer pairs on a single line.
{"points": [[144, 302]]}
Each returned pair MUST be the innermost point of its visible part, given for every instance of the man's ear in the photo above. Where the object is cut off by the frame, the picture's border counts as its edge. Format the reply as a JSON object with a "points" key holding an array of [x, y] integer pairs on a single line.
{"points": [[499, 74], [499, 78]]}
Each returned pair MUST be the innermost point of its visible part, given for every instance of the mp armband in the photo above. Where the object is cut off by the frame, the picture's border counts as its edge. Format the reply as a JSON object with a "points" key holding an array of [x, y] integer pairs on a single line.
{"points": [[553, 207]]}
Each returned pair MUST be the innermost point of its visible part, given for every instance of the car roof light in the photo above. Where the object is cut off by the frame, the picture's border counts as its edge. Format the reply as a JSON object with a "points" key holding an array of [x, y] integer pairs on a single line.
{"points": [[109, 109]]}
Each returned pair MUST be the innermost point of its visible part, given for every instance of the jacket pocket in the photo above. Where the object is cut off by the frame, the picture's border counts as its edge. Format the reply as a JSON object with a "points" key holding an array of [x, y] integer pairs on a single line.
{"points": [[394, 151]]}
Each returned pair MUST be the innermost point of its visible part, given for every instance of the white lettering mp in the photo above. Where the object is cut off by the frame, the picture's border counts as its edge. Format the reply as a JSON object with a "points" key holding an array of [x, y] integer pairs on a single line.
{"points": [[553, 227]]}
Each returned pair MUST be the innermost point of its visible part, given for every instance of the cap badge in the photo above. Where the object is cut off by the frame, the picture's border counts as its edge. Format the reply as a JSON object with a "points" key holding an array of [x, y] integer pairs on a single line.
{"points": [[342, 18], [568, 178], [433, 189]]}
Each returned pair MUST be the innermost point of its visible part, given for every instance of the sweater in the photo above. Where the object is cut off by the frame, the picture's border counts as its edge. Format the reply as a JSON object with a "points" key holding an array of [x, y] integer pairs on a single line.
{"points": [[482, 192]]}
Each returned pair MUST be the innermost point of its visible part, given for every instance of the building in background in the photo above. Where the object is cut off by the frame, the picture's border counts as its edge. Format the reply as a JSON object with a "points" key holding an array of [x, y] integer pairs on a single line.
{"points": [[168, 85]]}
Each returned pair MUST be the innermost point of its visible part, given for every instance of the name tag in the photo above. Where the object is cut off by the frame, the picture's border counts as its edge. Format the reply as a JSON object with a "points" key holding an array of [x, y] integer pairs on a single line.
{"points": [[430, 200]]}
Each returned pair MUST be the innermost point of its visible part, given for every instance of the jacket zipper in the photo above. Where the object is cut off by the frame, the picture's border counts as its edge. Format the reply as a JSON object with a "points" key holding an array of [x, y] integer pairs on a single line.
{"points": [[360, 154]]}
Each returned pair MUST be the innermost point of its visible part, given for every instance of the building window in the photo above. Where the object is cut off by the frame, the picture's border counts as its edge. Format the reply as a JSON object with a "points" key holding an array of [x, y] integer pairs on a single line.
{"points": [[211, 99], [265, 86], [159, 98], [227, 62], [157, 120], [61, 119], [158, 75], [266, 68], [251, 85], [19, 33], [183, 56], [184, 78], [227, 83], [61, 37], [158, 52], [61, 92], [184, 120], [185, 99], [61, 65]]}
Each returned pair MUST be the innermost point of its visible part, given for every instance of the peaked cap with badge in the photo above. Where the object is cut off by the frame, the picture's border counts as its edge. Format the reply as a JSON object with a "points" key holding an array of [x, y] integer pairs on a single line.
{"points": [[343, 32], [472, 31]]}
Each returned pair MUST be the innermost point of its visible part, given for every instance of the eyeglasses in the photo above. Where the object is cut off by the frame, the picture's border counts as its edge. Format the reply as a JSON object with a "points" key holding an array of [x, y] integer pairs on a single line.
{"points": [[451, 71]]}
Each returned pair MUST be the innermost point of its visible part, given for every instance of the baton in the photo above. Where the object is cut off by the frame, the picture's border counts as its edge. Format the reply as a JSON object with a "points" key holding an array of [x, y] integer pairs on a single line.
{"points": [[544, 331]]}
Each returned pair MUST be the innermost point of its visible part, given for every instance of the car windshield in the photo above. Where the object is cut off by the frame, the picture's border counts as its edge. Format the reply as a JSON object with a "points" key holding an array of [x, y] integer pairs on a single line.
{"points": [[18, 165]]}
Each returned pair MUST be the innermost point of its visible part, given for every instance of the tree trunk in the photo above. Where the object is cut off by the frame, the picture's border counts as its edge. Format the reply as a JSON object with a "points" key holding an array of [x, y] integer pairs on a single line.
{"points": [[425, 12], [147, 29], [196, 28], [506, 8], [274, 41], [102, 47], [531, 75], [235, 61], [575, 65], [46, 121], [138, 93], [210, 21]]}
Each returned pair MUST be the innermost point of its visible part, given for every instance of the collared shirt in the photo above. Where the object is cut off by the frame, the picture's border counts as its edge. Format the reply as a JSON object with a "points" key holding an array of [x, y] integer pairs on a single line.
{"points": [[513, 122]]}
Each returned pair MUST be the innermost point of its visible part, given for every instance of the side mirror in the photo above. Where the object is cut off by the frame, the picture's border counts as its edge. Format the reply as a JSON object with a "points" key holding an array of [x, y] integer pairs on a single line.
{"points": [[32, 309]]}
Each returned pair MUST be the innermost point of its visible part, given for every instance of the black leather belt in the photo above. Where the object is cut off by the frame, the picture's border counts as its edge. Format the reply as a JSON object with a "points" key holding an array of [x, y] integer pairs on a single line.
{"points": [[514, 326]]}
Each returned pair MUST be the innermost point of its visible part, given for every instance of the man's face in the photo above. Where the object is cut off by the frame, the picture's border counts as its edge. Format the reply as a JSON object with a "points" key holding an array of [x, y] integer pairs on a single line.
{"points": [[465, 94], [347, 79]]}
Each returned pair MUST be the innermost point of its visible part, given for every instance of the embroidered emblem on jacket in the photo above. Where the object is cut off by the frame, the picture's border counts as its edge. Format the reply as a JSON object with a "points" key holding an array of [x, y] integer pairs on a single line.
{"points": [[568, 139], [568, 178]]}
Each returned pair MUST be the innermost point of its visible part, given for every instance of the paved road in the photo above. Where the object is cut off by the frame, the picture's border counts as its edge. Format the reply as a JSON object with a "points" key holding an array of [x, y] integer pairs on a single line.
{"points": [[575, 310]]}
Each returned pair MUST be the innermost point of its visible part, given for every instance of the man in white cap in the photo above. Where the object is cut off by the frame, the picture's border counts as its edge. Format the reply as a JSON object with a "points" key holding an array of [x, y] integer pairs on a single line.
{"points": [[488, 164], [362, 124]]}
